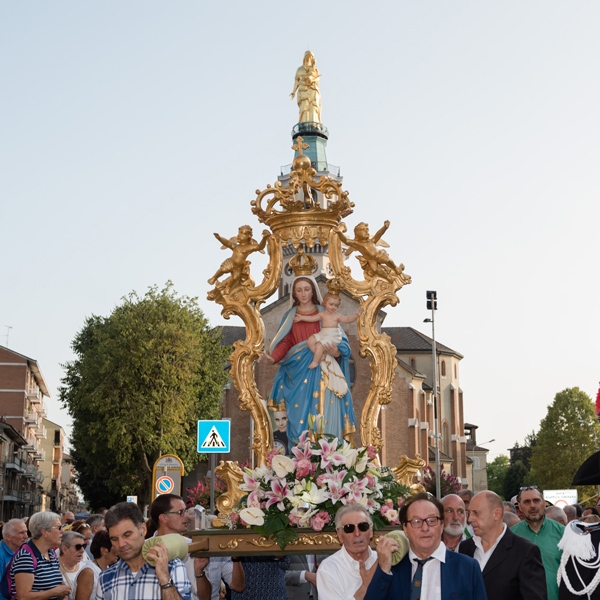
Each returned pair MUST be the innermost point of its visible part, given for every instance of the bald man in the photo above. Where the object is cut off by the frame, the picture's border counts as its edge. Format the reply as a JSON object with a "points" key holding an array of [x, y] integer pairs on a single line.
{"points": [[511, 565]]}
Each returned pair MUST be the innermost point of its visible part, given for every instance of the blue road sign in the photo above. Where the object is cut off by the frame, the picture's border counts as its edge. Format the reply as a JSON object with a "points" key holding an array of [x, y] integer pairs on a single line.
{"points": [[214, 436], [164, 485]]}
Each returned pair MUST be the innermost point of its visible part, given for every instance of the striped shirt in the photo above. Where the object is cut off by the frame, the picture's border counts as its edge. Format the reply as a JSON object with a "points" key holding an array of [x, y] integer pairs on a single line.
{"points": [[118, 582], [46, 574]]}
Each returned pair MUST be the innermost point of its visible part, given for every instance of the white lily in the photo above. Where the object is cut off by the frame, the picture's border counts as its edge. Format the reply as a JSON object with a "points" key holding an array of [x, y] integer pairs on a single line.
{"points": [[282, 465], [253, 516], [361, 465], [314, 494]]}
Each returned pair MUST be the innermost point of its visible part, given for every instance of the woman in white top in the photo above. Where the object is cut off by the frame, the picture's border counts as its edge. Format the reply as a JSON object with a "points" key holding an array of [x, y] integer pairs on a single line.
{"points": [[72, 549], [104, 556]]}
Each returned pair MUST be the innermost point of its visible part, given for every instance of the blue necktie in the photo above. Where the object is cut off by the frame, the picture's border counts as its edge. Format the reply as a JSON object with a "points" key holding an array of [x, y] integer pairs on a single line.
{"points": [[417, 581]]}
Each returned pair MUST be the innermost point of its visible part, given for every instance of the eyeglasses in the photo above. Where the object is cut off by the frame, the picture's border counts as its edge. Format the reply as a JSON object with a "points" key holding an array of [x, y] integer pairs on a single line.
{"points": [[79, 547], [350, 527], [418, 523], [57, 527], [181, 512]]}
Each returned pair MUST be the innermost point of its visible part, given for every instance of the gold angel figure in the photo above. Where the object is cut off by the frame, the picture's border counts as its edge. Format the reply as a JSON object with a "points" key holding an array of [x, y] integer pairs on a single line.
{"points": [[372, 260], [237, 264]]}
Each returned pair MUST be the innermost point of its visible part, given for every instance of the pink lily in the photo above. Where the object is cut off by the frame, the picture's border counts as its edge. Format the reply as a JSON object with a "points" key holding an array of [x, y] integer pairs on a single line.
{"points": [[329, 454], [279, 493]]}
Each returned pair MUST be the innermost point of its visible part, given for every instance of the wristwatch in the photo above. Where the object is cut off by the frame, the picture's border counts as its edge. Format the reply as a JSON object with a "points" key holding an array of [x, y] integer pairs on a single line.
{"points": [[166, 586], [201, 575]]}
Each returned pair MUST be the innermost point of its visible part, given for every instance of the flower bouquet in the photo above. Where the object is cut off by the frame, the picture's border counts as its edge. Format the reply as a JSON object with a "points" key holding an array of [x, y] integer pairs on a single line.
{"points": [[307, 489]]}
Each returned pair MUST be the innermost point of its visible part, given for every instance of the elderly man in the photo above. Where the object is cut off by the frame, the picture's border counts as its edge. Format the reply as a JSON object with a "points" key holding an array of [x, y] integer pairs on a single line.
{"points": [[510, 519], [556, 513], [346, 573], [429, 570], [543, 532], [14, 535], [570, 512], [67, 518], [511, 565], [131, 576], [96, 523], [455, 516]]}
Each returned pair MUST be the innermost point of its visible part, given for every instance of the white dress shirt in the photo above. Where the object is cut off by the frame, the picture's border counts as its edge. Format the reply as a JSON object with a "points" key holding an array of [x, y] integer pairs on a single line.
{"points": [[431, 584]]}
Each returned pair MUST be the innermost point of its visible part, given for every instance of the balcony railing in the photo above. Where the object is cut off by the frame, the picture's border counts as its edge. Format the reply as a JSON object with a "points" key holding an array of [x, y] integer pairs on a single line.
{"points": [[40, 432], [15, 464], [31, 445], [35, 397], [32, 417]]}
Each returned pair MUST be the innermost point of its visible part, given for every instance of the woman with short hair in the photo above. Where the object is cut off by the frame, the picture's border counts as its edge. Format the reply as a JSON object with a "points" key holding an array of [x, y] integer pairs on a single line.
{"points": [[35, 571]]}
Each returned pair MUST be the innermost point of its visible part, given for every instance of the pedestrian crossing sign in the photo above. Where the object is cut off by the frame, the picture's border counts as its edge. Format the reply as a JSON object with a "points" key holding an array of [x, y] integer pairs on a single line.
{"points": [[214, 436]]}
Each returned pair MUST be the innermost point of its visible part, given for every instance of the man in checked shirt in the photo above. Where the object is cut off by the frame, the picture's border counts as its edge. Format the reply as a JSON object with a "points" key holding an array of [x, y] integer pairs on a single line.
{"points": [[131, 576]]}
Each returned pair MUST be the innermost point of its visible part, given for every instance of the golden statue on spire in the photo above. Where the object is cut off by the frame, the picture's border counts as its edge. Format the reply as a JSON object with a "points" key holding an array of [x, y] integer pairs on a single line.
{"points": [[306, 86]]}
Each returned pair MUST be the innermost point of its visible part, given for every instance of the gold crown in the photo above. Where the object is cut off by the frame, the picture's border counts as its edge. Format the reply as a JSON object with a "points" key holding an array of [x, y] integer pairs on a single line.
{"points": [[293, 213], [302, 264]]}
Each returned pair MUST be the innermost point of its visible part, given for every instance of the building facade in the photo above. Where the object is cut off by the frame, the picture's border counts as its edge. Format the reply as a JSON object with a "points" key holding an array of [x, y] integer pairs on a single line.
{"points": [[32, 447]]}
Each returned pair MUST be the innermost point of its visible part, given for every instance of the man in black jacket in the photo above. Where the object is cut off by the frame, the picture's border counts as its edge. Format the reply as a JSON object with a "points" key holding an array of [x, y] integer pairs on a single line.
{"points": [[511, 565]]}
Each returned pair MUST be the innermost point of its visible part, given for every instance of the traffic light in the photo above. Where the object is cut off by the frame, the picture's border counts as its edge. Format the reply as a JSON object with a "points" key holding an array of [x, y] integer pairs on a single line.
{"points": [[431, 300]]}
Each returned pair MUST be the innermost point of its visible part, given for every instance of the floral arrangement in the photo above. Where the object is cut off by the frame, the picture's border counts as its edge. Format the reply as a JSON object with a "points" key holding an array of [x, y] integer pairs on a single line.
{"points": [[200, 493], [448, 482], [307, 488]]}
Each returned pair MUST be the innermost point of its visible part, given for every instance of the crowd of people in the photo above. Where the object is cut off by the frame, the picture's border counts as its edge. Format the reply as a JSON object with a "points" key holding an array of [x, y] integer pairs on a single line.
{"points": [[467, 546]]}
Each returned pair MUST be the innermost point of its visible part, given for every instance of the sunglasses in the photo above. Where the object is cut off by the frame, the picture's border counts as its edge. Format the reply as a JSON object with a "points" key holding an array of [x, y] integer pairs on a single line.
{"points": [[177, 512], [526, 488], [364, 526], [79, 547]]}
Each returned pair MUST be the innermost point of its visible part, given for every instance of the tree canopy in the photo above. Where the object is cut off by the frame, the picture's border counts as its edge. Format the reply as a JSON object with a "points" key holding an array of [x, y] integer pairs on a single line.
{"points": [[563, 441], [141, 379], [496, 472]]}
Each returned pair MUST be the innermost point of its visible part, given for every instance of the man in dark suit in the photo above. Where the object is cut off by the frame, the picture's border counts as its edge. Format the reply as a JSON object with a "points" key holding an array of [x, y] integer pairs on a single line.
{"points": [[429, 570], [301, 579], [512, 566]]}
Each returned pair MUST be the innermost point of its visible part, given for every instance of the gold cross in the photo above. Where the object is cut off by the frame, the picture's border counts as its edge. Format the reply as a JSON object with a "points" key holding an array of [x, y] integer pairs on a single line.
{"points": [[300, 145]]}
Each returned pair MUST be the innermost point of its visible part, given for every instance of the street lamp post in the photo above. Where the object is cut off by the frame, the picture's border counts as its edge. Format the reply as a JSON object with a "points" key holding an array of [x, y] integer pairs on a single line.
{"points": [[591, 426], [432, 305]]}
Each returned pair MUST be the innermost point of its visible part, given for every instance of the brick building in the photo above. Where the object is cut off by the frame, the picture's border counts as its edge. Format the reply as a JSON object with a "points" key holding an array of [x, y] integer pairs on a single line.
{"points": [[30, 472]]}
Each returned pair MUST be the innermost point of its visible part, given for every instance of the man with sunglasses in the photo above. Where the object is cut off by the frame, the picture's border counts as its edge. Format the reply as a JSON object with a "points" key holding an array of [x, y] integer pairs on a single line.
{"points": [[429, 571], [345, 575], [169, 515], [543, 532]]}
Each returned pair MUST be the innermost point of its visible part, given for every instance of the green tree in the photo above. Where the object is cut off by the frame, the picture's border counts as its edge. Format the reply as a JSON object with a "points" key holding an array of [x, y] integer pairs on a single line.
{"points": [[141, 379], [563, 441], [496, 472], [514, 478]]}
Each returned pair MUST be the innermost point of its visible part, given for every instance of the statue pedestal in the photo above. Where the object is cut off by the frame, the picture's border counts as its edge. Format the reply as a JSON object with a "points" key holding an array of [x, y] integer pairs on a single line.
{"points": [[247, 542]]}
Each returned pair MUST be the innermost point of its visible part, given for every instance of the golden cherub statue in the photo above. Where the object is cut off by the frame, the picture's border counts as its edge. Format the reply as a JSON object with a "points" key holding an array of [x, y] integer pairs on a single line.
{"points": [[373, 261], [237, 264], [306, 83]]}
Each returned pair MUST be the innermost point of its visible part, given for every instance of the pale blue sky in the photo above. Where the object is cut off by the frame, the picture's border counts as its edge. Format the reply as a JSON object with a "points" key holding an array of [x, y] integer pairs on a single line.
{"points": [[133, 130]]}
